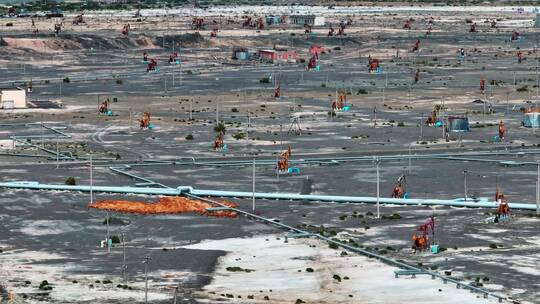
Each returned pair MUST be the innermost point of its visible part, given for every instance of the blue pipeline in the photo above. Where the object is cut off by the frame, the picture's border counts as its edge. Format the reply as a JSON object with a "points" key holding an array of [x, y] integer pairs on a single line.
{"points": [[265, 195]]}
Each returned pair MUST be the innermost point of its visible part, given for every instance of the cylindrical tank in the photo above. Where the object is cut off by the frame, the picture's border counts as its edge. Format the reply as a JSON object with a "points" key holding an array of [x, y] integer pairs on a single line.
{"points": [[531, 120], [458, 124]]}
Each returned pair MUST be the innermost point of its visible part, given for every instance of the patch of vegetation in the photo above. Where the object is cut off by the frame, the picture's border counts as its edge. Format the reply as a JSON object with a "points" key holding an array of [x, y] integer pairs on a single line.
{"points": [[309, 269], [45, 286], [234, 110], [239, 135], [336, 277], [189, 137], [361, 91], [115, 221], [524, 88], [395, 216], [220, 127], [66, 80], [70, 181], [119, 81], [238, 269], [401, 124], [493, 246], [264, 80]]}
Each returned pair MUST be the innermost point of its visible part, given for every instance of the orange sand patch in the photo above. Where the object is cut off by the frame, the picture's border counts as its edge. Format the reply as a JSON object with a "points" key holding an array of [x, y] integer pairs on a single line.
{"points": [[165, 205]]}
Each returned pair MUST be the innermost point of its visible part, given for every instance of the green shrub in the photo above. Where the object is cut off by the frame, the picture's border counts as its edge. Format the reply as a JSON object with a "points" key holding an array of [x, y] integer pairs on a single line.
{"points": [[189, 137], [66, 80], [220, 127], [238, 269], [70, 181], [361, 91], [45, 285], [309, 269], [239, 135], [395, 216]]}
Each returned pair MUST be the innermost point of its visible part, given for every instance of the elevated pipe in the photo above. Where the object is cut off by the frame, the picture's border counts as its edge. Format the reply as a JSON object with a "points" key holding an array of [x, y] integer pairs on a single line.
{"points": [[265, 195]]}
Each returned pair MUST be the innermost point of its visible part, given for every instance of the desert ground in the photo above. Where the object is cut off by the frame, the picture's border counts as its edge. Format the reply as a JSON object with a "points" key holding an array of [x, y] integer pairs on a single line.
{"points": [[53, 235]]}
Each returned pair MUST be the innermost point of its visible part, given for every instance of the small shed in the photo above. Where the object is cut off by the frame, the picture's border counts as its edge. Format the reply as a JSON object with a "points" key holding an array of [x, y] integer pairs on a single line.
{"points": [[531, 120], [278, 56], [307, 19], [240, 53], [271, 20], [12, 98], [458, 124]]}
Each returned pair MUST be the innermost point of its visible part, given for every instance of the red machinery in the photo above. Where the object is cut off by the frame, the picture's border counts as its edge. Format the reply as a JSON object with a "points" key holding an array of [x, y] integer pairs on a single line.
{"points": [[104, 106], [283, 162], [520, 56], [144, 121], [218, 141], [78, 19], [58, 27], [416, 46], [341, 99], [125, 29], [260, 24], [214, 31], [424, 235], [373, 64], [407, 24], [501, 130], [152, 65], [173, 57], [312, 64], [515, 36], [197, 23], [331, 32]]}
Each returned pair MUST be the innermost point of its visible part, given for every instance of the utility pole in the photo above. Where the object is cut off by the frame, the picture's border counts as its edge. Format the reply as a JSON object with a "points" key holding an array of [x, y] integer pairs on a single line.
{"points": [[217, 113], [377, 163], [175, 294], [124, 265], [538, 187], [507, 102], [191, 109], [421, 126], [253, 178], [484, 111], [57, 154], [410, 159], [108, 230], [42, 131], [280, 138], [465, 184], [146, 260], [91, 193]]}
